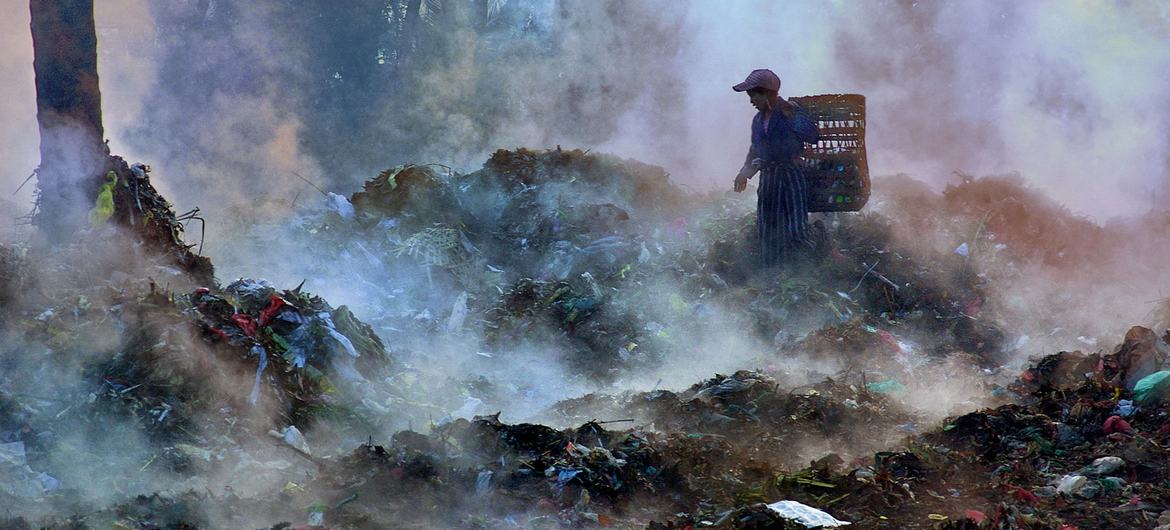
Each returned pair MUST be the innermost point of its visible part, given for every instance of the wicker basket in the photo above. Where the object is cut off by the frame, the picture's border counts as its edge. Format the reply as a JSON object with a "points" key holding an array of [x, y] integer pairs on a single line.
{"points": [[838, 175]]}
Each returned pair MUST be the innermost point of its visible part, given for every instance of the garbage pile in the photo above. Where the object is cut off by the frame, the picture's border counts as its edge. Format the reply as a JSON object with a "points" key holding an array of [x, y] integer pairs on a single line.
{"points": [[304, 339], [611, 265], [519, 348], [1080, 445], [754, 415], [136, 206], [1000, 217], [484, 473], [1069, 451], [125, 375]]}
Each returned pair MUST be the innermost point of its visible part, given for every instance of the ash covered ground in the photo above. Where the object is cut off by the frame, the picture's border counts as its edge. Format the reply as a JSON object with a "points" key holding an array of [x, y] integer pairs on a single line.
{"points": [[566, 339]]}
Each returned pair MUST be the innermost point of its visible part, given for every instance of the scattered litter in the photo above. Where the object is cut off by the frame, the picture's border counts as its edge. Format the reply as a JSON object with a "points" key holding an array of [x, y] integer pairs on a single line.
{"points": [[1071, 484], [885, 387], [317, 515], [341, 205], [1106, 465], [1152, 387], [458, 314], [805, 515], [293, 437], [483, 482]]}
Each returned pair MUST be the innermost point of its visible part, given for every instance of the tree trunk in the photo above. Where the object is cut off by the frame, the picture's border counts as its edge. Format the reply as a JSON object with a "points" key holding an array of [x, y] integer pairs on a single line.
{"points": [[69, 112]]}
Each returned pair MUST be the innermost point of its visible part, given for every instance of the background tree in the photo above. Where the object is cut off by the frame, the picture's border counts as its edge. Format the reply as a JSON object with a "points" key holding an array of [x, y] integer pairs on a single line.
{"points": [[69, 113]]}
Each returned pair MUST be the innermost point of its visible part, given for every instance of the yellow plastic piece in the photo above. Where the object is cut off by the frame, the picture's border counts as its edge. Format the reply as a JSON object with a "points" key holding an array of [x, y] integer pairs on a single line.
{"points": [[103, 207]]}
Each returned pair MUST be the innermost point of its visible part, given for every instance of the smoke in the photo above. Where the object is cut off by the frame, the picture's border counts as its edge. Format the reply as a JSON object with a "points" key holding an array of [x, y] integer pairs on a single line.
{"points": [[1064, 94], [245, 101], [225, 100], [236, 104], [18, 125]]}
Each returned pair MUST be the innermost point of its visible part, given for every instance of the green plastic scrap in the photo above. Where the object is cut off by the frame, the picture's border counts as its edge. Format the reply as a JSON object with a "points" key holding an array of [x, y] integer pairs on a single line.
{"points": [[804, 478], [317, 514], [103, 207], [392, 176], [885, 387], [1152, 386]]}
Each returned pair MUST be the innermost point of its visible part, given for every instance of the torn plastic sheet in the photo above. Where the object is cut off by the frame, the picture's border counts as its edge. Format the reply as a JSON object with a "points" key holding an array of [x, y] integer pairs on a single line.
{"points": [[458, 314], [470, 406], [483, 482], [341, 205], [297, 353], [252, 295], [302, 343], [565, 475], [262, 353], [327, 320], [805, 515], [13, 453]]}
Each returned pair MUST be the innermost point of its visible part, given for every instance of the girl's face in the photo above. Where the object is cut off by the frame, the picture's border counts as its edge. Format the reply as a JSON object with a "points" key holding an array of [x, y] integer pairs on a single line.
{"points": [[759, 99]]}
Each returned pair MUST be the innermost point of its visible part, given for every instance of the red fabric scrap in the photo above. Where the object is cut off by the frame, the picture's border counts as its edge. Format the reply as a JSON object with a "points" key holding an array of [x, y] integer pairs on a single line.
{"points": [[975, 515], [269, 312], [1116, 424], [1021, 494], [246, 323], [221, 334]]}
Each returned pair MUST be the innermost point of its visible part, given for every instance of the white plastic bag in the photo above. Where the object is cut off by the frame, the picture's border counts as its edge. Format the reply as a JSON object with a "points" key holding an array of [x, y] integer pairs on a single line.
{"points": [[805, 515]]}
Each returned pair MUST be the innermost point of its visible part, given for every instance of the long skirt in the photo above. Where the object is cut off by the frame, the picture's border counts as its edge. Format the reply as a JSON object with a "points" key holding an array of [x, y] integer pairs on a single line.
{"points": [[782, 212]]}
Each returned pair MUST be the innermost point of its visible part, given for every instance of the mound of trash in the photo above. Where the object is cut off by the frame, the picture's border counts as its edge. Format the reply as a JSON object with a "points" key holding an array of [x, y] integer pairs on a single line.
{"points": [[611, 264], [129, 370], [1073, 452], [999, 213], [519, 348]]}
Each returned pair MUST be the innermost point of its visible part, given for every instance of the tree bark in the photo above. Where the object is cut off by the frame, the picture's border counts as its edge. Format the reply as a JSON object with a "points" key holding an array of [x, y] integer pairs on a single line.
{"points": [[74, 155]]}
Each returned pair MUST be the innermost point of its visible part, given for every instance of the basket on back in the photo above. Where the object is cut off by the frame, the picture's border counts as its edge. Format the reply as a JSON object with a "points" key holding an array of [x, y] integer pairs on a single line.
{"points": [[837, 172]]}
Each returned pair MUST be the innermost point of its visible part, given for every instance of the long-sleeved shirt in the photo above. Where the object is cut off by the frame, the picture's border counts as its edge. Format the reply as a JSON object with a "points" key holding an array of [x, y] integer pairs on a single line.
{"points": [[782, 139]]}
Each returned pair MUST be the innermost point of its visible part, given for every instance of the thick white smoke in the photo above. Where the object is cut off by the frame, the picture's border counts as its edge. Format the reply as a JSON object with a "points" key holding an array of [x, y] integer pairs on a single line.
{"points": [[1066, 94]]}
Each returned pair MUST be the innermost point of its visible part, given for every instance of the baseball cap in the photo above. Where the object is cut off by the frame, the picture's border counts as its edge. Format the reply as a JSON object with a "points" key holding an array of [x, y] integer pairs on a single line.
{"points": [[762, 78]]}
